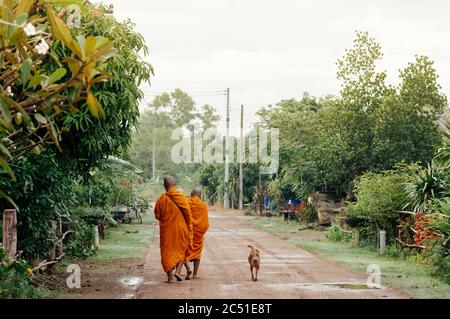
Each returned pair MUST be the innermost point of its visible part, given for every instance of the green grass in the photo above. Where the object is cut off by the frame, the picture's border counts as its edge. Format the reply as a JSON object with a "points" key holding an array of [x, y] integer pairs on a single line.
{"points": [[119, 244], [406, 275]]}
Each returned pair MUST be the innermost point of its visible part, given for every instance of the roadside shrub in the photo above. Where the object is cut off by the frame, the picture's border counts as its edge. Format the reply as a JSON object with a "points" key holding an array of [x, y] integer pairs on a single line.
{"points": [[380, 198], [16, 279], [307, 212], [438, 260], [337, 234], [81, 243]]}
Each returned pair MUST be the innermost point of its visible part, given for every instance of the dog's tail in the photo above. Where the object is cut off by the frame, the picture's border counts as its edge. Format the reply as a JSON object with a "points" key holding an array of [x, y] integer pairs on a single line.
{"points": [[251, 247]]}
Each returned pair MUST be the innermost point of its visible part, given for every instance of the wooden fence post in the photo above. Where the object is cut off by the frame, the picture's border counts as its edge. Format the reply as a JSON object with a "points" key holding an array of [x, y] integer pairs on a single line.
{"points": [[10, 231]]}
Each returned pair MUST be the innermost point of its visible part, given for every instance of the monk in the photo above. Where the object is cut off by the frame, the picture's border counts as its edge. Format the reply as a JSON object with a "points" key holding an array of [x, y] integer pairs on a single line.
{"points": [[199, 212], [173, 212]]}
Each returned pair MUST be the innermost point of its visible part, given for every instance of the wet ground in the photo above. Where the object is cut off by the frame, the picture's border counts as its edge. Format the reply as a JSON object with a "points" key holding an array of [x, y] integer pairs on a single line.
{"points": [[286, 270]]}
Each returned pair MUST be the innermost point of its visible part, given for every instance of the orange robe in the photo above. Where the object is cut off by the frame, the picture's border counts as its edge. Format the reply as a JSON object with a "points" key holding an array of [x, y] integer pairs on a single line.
{"points": [[199, 211], [175, 227]]}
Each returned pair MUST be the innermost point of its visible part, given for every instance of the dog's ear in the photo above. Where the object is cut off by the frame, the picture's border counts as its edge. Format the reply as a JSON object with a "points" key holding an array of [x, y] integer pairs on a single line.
{"points": [[257, 251]]}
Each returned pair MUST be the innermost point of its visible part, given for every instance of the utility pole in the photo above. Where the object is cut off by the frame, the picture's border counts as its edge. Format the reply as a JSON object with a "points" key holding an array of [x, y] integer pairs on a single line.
{"points": [[260, 191], [154, 146], [241, 163], [226, 200]]}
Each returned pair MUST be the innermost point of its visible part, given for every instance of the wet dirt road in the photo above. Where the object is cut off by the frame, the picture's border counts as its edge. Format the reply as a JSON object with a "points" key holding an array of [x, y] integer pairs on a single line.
{"points": [[286, 270]]}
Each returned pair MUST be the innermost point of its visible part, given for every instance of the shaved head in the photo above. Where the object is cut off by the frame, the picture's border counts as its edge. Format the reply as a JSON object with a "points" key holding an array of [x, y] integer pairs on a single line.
{"points": [[169, 182], [196, 192]]}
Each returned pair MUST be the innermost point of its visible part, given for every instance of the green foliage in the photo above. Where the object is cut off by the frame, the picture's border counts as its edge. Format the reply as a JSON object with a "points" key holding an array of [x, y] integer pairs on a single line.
{"points": [[16, 279], [94, 140], [46, 181], [336, 234], [81, 244], [35, 92], [381, 196], [165, 113], [429, 183], [44, 191], [438, 260], [371, 126], [444, 151]]}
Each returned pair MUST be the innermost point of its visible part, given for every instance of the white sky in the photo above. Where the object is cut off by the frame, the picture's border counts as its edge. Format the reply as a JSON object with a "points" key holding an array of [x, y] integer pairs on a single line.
{"points": [[268, 50]]}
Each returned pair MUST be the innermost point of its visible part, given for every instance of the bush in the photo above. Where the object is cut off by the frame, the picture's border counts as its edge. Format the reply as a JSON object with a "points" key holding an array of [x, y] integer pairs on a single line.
{"points": [[16, 279], [336, 234], [307, 212], [438, 260], [81, 244], [380, 198]]}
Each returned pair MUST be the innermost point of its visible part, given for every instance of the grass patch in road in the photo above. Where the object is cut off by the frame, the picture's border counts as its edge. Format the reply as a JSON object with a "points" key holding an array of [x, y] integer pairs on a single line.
{"points": [[123, 242], [409, 277]]}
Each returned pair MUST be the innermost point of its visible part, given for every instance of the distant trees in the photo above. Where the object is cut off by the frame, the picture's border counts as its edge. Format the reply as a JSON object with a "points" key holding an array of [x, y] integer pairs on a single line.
{"points": [[165, 113]]}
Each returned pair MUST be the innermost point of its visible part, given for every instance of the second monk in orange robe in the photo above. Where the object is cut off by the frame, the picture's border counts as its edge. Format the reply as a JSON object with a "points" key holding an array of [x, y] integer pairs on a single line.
{"points": [[199, 212]]}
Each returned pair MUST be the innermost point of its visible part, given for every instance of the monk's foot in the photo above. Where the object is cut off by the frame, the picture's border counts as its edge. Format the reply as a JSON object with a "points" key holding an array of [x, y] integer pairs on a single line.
{"points": [[188, 276], [178, 276]]}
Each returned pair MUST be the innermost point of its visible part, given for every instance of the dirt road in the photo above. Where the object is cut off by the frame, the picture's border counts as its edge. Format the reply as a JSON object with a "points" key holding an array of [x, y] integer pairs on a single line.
{"points": [[286, 271]]}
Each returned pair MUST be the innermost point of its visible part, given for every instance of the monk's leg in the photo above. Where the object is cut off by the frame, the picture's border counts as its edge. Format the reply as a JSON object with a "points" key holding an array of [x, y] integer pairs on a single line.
{"points": [[169, 276], [178, 270], [196, 266], [188, 271]]}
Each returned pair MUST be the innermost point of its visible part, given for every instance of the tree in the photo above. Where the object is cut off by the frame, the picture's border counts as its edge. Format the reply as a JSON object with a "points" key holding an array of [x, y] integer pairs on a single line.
{"points": [[35, 91], [165, 113], [89, 134], [371, 126], [208, 116]]}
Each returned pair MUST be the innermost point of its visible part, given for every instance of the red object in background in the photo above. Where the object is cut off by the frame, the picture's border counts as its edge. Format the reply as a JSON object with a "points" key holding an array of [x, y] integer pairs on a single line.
{"points": [[423, 230]]}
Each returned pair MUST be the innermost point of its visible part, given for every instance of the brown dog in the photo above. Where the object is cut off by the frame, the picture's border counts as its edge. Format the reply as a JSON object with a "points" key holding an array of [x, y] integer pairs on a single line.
{"points": [[254, 260]]}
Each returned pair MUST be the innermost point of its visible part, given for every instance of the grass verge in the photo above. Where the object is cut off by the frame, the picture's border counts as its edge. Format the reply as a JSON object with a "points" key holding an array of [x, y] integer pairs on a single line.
{"points": [[127, 241]]}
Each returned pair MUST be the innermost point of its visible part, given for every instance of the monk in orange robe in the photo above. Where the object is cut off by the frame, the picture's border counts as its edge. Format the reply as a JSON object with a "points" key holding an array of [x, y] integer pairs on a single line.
{"points": [[199, 212], [172, 210]]}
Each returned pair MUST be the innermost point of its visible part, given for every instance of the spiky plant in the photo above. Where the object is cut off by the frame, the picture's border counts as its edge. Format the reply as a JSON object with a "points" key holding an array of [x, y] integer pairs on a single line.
{"points": [[429, 183]]}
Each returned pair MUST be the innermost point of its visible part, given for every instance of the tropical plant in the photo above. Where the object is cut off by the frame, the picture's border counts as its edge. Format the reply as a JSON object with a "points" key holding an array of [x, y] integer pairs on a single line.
{"points": [[429, 183], [443, 153], [16, 279]]}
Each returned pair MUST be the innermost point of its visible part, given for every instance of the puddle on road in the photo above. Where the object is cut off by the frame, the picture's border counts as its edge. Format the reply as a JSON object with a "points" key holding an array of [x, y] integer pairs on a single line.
{"points": [[320, 287], [131, 282]]}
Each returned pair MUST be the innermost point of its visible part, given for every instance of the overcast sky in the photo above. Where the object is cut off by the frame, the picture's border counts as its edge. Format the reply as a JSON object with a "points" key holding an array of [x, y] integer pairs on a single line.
{"points": [[270, 50]]}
